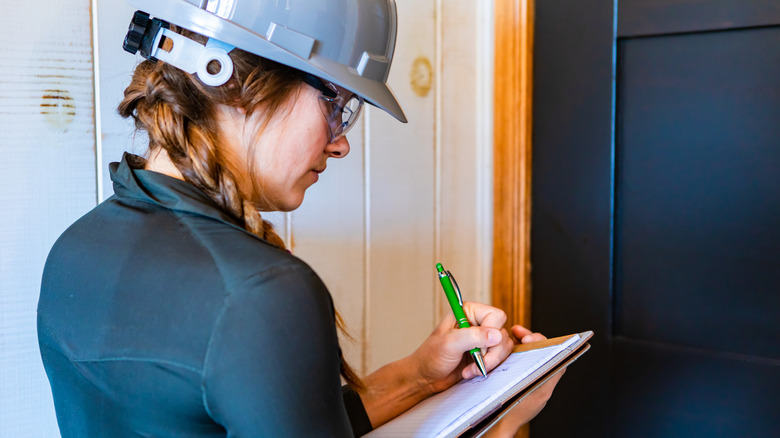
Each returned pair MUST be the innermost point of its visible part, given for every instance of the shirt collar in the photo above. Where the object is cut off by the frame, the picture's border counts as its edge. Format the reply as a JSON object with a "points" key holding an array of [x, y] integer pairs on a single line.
{"points": [[131, 182]]}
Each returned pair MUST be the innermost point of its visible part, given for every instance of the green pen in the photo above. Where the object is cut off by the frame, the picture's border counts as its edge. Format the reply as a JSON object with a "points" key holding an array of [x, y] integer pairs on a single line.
{"points": [[456, 302]]}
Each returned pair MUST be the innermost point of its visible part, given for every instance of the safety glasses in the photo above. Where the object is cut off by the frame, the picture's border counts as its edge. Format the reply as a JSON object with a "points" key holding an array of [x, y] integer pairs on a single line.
{"points": [[340, 107]]}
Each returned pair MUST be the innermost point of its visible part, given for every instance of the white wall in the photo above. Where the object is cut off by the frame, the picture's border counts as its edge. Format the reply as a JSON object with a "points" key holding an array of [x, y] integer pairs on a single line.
{"points": [[406, 197], [47, 175]]}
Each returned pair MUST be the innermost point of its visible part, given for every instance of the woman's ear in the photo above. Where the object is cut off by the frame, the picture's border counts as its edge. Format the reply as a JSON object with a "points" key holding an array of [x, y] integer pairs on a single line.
{"points": [[230, 111]]}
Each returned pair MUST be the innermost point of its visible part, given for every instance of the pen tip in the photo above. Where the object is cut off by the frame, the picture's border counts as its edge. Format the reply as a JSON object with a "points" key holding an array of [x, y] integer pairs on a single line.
{"points": [[480, 364]]}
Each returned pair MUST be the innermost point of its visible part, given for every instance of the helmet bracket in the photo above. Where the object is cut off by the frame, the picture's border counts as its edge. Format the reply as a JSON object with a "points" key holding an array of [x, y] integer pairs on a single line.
{"points": [[148, 37], [141, 33], [193, 57]]}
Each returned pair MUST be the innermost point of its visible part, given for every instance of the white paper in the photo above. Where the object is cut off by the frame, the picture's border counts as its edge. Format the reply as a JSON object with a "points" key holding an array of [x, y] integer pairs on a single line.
{"points": [[453, 410]]}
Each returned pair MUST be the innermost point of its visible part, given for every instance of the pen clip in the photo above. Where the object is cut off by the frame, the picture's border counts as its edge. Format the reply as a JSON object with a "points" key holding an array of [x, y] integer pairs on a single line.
{"points": [[457, 289]]}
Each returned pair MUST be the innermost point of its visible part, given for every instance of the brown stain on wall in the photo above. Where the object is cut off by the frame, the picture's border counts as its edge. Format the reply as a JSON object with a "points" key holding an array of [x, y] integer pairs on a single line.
{"points": [[58, 108], [421, 77]]}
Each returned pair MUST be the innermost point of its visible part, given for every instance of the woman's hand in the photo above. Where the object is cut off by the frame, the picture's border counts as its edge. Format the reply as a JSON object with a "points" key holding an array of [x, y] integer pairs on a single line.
{"points": [[529, 407], [442, 359]]}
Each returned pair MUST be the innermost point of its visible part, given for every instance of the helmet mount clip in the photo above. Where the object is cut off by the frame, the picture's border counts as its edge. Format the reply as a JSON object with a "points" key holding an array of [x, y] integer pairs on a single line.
{"points": [[155, 41]]}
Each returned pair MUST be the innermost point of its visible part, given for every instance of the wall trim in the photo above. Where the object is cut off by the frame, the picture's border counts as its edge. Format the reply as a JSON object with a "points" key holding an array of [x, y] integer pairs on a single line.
{"points": [[512, 159]]}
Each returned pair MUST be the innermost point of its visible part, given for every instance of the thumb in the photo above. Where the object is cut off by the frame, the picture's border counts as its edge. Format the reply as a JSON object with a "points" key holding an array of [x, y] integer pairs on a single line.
{"points": [[465, 339]]}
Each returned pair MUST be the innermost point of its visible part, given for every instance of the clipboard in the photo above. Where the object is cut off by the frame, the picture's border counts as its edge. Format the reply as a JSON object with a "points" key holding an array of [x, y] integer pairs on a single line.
{"points": [[492, 419], [518, 377]]}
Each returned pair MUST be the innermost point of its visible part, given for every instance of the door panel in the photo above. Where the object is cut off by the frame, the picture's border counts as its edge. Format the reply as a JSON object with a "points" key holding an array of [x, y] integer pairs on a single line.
{"points": [[698, 192], [670, 392], [656, 198], [644, 17]]}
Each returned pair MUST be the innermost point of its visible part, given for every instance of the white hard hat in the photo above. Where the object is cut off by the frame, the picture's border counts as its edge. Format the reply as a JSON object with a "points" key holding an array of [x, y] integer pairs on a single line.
{"points": [[347, 42]]}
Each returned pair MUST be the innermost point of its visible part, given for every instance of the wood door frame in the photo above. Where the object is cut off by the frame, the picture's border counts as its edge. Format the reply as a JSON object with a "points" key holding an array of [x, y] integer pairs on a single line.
{"points": [[512, 104], [512, 159]]}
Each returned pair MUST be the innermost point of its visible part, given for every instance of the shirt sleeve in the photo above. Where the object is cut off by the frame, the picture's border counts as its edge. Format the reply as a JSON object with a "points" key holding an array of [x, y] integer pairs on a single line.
{"points": [[272, 366], [358, 417]]}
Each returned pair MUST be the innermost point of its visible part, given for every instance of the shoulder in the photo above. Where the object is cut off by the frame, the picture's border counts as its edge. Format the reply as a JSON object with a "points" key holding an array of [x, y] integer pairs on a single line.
{"points": [[242, 257], [273, 356], [256, 273]]}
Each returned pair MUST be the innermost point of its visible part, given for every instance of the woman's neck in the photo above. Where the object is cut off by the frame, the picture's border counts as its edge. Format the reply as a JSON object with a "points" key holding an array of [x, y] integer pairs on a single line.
{"points": [[160, 162]]}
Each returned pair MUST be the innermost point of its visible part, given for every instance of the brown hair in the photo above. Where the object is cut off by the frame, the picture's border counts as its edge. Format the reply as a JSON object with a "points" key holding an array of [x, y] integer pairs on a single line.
{"points": [[179, 114]]}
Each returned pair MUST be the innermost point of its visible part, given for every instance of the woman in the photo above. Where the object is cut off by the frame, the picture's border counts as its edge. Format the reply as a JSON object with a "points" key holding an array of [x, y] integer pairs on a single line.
{"points": [[172, 309]]}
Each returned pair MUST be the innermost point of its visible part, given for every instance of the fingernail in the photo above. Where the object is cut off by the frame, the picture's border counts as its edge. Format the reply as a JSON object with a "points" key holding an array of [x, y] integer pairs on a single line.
{"points": [[494, 337]]}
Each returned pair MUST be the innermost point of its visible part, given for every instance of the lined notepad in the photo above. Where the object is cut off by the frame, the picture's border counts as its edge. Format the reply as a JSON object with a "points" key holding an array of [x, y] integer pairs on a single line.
{"points": [[450, 412]]}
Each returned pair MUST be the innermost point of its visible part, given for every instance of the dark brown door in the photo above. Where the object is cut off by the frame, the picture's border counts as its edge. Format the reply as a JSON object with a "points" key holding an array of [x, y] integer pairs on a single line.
{"points": [[656, 214]]}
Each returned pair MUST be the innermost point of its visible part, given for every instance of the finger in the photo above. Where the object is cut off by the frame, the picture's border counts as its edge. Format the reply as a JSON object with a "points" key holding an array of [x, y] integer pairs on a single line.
{"points": [[519, 332], [495, 355], [492, 357], [533, 337], [525, 336], [484, 315], [462, 340]]}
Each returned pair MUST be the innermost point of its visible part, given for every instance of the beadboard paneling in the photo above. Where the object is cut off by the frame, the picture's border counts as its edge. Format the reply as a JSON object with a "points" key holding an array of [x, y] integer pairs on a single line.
{"points": [[48, 179]]}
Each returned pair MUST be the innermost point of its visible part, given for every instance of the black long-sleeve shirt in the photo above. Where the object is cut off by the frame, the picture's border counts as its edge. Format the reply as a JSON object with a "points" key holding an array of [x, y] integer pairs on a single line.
{"points": [[159, 316]]}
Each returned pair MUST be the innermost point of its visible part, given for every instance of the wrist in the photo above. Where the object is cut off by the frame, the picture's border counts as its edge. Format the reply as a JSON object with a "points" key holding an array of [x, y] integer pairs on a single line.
{"points": [[429, 380], [419, 377], [393, 389]]}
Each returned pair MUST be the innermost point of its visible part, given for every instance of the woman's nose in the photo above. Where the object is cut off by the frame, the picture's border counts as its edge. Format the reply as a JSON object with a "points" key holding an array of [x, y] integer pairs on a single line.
{"points": [[339, 148]]}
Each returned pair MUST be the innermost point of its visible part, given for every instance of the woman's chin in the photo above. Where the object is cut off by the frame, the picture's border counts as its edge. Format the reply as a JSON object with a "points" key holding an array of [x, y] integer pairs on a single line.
{"points": [[290, 204]]}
